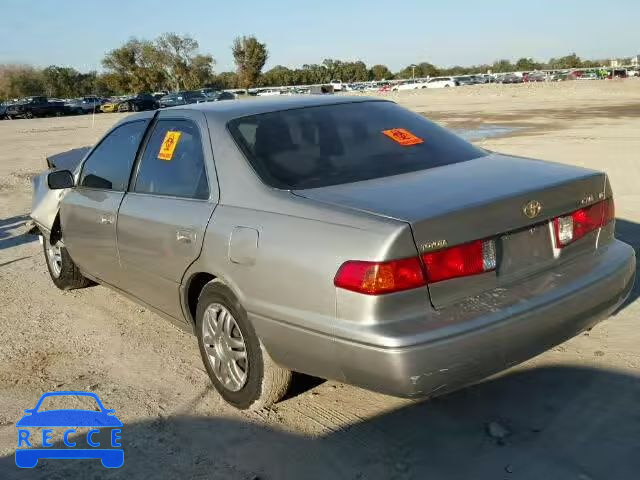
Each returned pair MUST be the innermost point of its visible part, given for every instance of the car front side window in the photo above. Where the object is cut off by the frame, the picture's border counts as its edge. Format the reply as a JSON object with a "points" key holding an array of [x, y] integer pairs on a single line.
{"points": [[173, 162], [109, 165]]}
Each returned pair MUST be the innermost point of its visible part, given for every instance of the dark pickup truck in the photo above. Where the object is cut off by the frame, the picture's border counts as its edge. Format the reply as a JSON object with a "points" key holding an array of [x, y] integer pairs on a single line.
{"points": [[32, 107]]}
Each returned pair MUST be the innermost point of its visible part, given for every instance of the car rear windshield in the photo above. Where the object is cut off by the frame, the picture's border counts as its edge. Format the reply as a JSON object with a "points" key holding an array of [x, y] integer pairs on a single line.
{"points": [[334, 144]]}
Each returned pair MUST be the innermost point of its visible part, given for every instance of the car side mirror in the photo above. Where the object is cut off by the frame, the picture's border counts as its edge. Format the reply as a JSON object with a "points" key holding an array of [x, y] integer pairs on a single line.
{"points": [[60, 179]]}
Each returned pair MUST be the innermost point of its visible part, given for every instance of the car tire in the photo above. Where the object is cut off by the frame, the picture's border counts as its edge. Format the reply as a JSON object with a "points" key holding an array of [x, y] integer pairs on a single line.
{"points": [[28, 115], [265, 383], [63, 271], [136, 107]]}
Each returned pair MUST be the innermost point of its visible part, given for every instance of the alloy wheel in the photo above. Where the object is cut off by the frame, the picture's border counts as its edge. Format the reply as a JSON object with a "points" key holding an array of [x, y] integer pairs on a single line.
{"points": [[54, 257], [225, 347]]}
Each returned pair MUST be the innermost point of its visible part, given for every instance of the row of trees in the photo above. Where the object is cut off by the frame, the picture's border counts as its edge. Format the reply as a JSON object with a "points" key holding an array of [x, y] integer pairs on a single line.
{"points": [[173, 62], [170, 62], [357, 71]]}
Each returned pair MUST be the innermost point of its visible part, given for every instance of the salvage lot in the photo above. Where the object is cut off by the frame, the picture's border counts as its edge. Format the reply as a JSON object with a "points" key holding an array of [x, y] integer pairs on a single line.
{"points": [[570, 413]]}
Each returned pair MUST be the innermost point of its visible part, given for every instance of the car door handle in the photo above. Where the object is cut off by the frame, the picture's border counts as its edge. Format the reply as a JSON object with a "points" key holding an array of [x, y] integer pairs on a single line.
{"points": [[106, 219], [185, 235]]}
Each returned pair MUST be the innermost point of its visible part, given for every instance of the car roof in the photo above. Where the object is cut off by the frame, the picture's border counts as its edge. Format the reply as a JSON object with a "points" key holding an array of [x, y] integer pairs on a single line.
{"points": [[231, 109]]}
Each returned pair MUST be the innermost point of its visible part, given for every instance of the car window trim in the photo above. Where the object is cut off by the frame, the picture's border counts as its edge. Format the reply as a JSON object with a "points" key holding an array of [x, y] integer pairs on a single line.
{"points": [[141, 151], [90, 154]]}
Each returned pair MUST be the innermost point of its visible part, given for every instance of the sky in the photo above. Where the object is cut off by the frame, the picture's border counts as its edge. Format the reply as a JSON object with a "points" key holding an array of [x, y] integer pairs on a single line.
{"points": [[396, 33]]}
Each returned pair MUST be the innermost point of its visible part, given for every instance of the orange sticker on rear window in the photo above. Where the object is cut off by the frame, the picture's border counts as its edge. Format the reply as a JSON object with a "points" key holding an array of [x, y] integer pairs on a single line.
{"points": [[403, 137], [169, 145]]}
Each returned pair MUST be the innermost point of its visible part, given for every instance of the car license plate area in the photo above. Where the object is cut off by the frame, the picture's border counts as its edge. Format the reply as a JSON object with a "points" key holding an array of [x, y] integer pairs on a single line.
{"points": [[525, 249]]}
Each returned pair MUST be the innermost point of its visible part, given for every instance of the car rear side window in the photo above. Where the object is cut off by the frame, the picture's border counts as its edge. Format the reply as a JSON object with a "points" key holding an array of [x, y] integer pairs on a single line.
{"points": [[173, 162], [333, 144], [109, 165]]}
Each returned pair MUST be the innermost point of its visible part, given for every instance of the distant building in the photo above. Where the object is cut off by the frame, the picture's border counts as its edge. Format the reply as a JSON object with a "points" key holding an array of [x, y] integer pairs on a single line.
{"points": [[635, 61]]}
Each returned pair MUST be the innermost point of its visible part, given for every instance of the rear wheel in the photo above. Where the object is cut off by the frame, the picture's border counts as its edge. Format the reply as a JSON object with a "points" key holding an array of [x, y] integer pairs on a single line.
{"points": [[240, 368], [64, 273]]}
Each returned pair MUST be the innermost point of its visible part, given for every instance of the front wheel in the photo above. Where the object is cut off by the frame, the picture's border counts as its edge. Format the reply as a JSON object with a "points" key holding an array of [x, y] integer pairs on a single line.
{"points": [[28, 115], [238, 365], [63, 271]]}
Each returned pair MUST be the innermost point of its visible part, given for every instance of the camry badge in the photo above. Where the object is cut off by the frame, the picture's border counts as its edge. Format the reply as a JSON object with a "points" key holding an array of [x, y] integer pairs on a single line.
{"points": [[532, 209]]}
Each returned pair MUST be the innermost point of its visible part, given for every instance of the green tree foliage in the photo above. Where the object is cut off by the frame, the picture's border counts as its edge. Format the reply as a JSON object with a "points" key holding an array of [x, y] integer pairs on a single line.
{"points": [[422, 70], [502, 66], [225, 80], [380, 72], [568, 61], [67, 82], [527, 64], [170, 62], [19, 81], [250, 56], [183, 67]]}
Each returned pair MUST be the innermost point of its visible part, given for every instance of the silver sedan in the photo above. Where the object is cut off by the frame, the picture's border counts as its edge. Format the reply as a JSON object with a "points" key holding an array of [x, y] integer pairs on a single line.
{"points": [[345, 238]]}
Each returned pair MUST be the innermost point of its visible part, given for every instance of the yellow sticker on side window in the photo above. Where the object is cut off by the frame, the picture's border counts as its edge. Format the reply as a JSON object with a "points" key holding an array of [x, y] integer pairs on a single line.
{"points": [[169, 145]]}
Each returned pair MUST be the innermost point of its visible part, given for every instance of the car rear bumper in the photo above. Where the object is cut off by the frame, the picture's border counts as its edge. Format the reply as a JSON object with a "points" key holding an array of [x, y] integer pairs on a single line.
{"points": [[496, 338]]}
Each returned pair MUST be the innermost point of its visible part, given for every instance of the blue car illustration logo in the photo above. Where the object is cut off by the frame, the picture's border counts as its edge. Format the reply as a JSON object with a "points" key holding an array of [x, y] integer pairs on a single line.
{"points": [[27, 456]]}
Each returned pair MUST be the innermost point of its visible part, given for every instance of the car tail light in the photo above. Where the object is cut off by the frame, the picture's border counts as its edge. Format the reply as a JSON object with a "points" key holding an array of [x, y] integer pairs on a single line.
{"points": [[570, 228], [460, 261], [376, 278]]}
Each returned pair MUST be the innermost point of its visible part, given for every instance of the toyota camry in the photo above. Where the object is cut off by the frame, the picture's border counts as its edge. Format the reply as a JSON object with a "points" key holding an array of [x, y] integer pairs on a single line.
{"points": [[345, 238]]}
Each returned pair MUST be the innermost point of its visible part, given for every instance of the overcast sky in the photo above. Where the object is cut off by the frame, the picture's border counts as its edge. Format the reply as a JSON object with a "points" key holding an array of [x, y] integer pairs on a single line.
{"points": [[78, 33]]}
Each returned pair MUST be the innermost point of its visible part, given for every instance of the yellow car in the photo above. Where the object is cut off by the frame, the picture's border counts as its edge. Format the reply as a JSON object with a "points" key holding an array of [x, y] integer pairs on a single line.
{"points": [[137, 103], [111, 107]]}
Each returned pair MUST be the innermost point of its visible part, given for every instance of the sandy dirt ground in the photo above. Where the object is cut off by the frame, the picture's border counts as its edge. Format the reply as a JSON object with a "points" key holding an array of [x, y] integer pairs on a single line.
{"points": [[571, 413]]}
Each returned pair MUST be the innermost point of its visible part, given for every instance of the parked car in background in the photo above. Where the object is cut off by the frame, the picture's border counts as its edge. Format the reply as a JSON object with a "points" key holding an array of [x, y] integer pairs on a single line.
{"points": [[268, 92], [588, 76], [337, 85], [510, 78], [83, 105], [111, 105], [464, 80], [485, 78], [139, 103], [409, 85], [535, 77], [218, 95], [136, 103], [32, 107], [442, 82], [181, 98]]}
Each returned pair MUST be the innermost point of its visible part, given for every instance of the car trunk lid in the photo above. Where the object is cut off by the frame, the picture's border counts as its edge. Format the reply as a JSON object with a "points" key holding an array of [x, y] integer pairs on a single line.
{"points": [[478, 199]]}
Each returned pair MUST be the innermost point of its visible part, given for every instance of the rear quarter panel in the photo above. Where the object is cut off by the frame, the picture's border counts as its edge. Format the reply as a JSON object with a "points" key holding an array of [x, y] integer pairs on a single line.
{"points": [[286, 285], [290, 278]]}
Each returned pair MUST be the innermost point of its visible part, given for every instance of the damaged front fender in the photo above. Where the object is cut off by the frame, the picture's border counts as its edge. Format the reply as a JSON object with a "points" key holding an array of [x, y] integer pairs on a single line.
{"points": [[45, 205]]}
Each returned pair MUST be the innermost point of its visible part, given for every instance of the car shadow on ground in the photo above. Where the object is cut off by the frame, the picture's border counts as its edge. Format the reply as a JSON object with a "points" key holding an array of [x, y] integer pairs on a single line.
{"points": [[549, 423], [629, 232], [11, 232]]}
